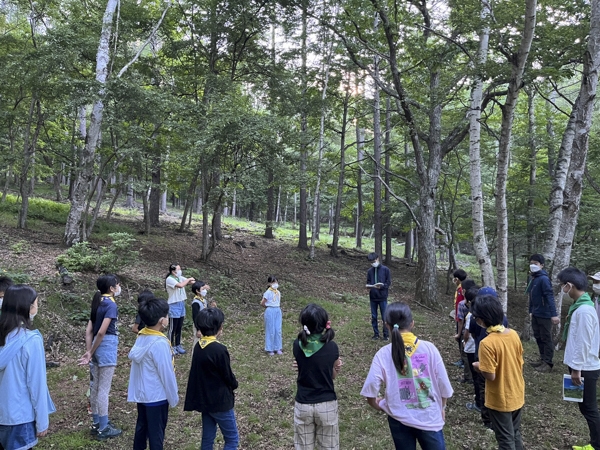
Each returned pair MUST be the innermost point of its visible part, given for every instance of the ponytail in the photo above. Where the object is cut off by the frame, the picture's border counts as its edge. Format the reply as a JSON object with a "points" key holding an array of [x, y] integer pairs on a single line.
{"points": [[314, 320], [95, 304], [398, 351]]}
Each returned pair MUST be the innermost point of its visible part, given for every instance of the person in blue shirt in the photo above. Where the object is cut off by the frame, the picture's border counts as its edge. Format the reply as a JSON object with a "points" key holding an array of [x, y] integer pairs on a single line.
{"points": [[25, 402], [102, 340], [152, 383], [542, 310], [378, 283]]}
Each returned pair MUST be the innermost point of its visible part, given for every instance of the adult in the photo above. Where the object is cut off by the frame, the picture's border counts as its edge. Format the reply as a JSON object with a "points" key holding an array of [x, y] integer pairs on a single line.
{"points": [[582, 337], [542, 310], [378, 283], [25, 401], [175, 284]]}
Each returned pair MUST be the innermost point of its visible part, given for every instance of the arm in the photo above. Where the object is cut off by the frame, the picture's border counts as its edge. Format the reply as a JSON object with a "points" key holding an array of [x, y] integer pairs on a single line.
{"points": [[458, 335], [374, 403], [35, 372], [89, 335], [549, 296], [163, 360], [85, 359], [337, 366], [226, 372], [263, 302]]}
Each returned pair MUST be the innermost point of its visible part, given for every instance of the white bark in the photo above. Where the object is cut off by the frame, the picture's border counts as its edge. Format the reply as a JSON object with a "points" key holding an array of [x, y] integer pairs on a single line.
{"points": [[508, 110], [582, 113], [479, 238]]}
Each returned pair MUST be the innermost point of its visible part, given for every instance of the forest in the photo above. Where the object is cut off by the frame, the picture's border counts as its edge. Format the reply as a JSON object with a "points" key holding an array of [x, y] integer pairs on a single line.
{"points": [[448, 126]]}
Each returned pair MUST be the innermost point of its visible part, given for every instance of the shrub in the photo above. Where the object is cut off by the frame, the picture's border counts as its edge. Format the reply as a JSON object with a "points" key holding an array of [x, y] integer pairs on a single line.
{"points": [[109, 259]]}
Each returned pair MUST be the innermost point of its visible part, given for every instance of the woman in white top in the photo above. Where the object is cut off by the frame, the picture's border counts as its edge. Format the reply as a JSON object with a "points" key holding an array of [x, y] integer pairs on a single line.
{"points": [[175, 284], [271, 302]]}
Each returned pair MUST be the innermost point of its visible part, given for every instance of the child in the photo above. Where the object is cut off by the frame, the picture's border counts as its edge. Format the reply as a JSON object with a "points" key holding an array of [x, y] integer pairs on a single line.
{"points": [[318, 359], [152, 383], [271, 302], [26, 402], [211, 382], [469, 350], [5, 283], [199, 289], [101, 341], [463, 309], [501, 364], [146, 294], [582, 336], [175, 285], [459, 276], [416, 384]]}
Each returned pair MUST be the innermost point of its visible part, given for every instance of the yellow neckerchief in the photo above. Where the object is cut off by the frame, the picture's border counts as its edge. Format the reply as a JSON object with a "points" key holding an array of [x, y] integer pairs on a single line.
{"points": [[109, 296], [495, 329], [149, 332], [274, 290], [411, 343], [207, 340], [201, 299]]}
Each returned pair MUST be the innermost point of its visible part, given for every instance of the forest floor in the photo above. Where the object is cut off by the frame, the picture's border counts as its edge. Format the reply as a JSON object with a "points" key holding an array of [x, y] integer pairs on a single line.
{"points": [[265, 397]]}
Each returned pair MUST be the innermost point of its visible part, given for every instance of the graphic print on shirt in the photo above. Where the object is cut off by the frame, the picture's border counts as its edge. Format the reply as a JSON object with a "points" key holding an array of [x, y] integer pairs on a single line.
{"points": [[415, 386]]}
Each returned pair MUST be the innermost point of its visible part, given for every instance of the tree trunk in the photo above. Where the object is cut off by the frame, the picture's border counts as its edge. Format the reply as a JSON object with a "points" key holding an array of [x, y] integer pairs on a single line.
{"points": [[388, 205], [508, 112], [358, 229], [270, 202], [582, 111], [408, 245], [73, 228], [30, 141], [474, 114], [531, 243], [340, 188], [377, 222], [155, 191], [302, 235], [101, 192]]}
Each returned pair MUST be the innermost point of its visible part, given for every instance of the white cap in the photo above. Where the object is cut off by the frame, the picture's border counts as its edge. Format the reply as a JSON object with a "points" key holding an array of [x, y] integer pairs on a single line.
{"points": [[595, 277]]}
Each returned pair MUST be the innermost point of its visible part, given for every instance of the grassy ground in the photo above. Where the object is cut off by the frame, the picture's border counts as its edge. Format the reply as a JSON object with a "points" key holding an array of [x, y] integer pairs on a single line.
{"points": [[264, 402]]}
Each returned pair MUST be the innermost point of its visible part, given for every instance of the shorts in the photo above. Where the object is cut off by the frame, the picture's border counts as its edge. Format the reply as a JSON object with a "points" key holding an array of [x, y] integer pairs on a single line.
{"points": [[106, 353], [18, 437], [177, 310]]}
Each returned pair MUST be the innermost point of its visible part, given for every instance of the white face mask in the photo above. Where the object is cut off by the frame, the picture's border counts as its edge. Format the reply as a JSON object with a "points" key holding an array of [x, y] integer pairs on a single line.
{"points": [[1, 300], [31, 316], [178, 273], [534, 268], [118, 291], [203, 292], [596, 288], [375, 264], [569, 286], [275, 285]]}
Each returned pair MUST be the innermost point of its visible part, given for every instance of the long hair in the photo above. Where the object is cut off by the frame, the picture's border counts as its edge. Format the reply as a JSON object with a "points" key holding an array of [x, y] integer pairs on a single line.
{"points": [[103, 283], [398, 316], [315, 319], [15, 309], [172, 267]]}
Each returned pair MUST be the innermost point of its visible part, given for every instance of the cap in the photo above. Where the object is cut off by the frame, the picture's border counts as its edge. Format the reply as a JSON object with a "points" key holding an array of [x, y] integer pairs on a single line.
{"points": [[486, 290], [595, 277]]}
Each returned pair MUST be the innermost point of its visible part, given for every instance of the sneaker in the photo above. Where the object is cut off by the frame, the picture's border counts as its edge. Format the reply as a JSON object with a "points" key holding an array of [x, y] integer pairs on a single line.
{"points": [[271, 353], [473, 407], [386, 338], [537, 363], [180, 349], [459, 363], [375, 337], [584, 447], [109, 432], [94, 429], [279, 352], [543, 368]]}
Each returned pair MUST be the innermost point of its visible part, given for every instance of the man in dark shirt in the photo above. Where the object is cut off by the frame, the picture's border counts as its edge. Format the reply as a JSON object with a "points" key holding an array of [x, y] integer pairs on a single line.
{"points": [[378, 283]]}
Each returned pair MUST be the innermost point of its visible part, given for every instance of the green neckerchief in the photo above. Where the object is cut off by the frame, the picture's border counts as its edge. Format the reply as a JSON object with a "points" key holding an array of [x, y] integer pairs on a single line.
{"points": [[583, 300], [313, 345]]}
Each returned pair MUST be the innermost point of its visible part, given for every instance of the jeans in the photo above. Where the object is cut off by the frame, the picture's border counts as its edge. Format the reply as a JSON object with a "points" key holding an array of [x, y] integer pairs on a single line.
{"points": [[228, 426], [381, 305], [507, 428], [405, 438], [589, 406], [542, 332], [151, 424]]}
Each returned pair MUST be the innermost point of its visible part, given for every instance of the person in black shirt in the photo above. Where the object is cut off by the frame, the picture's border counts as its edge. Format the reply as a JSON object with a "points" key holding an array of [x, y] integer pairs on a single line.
{"points": [[211, 382], [318, 360]]}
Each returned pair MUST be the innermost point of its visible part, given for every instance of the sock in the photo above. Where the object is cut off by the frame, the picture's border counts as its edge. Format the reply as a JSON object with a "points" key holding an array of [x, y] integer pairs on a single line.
{"points": [[95, 418], [103, 421]]}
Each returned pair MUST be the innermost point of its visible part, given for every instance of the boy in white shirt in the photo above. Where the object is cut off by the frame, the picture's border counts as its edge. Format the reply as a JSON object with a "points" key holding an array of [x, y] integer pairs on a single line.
{"points": [[582, 335]]}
